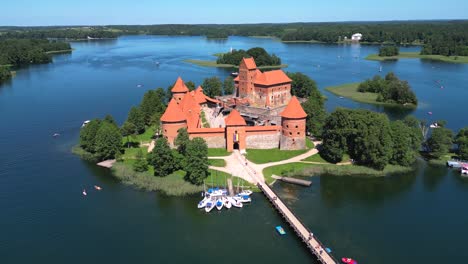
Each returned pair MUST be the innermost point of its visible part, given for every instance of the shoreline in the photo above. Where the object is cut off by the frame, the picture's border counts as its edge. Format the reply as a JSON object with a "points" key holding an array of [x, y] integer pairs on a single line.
{"points": [[416, 55], [349, 90]]}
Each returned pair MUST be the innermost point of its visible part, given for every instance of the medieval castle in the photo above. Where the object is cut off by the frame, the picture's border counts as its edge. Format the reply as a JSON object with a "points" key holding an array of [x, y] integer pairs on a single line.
{"points": [[262, 98]]}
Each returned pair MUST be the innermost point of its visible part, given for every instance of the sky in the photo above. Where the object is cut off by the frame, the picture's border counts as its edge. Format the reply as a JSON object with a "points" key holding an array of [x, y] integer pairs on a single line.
{"points": [[111, 12]]}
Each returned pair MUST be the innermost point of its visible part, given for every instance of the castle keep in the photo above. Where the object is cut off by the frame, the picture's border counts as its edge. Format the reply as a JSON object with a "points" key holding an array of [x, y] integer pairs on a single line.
{"points": [[222, 124]]}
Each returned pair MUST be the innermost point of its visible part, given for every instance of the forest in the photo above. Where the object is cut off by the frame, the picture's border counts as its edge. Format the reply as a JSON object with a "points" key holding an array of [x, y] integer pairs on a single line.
{"points": [[262, 58]]}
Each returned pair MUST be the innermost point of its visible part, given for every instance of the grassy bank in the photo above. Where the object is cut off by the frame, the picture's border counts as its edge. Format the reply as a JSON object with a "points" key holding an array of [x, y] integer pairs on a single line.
{"points": [[219, 179], [318, 158], [442, 161], [205, 63], [350, 90], [416, 55], [261, 156], [217, 162], [306, 169], [59, 51], [218, 152]]}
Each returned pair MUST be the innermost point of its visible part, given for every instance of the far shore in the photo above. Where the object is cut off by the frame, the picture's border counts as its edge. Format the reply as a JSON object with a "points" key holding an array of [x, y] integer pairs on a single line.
{"points": [[416, 55], [350, 91]]}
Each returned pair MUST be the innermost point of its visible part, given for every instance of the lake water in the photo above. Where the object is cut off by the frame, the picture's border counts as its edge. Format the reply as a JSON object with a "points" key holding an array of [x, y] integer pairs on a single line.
{"points": [[418, 217]]}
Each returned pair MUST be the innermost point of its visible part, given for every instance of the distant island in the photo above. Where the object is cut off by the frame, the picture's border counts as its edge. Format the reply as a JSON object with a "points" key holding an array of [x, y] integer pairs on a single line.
{"points": [[383, 91], [456, 55], [232, 59]]}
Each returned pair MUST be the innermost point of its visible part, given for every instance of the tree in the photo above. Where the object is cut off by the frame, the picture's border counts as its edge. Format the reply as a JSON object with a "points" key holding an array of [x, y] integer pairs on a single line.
{"points": [[140, 164], [182, 140], [127, 130], [462, 141], [108, 141], [136, 117], [403, 152], [316, 114], [88, 135], [5, 74], [440, 142], [152, 102], [197, 161], [161, 158], [212, 86], [190, 85], [228, 86], [388, 51], [302, 85], [110, 119]]}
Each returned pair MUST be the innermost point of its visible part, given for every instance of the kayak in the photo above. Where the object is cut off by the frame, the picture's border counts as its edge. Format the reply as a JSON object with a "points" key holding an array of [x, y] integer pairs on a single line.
{"points": [[348, 260]]}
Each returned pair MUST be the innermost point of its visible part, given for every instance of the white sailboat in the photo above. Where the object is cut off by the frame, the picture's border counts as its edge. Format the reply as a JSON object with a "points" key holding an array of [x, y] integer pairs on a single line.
{"points": [[202, 203], [219, 204], [235, 203], [227, 203], [209, 206]]}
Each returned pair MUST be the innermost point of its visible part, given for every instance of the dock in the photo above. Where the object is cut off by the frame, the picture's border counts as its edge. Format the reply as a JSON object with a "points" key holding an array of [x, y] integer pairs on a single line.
{"points": [[292, 180], [312, 242], [107, 163]]}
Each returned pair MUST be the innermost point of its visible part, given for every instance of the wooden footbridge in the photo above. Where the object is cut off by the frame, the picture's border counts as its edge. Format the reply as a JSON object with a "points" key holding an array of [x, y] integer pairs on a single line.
{"points": [[312, 242]]}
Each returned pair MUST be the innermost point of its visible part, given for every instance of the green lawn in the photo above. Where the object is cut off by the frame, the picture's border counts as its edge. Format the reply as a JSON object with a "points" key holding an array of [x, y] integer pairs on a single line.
{"points": [[219, 179], [416, 55], [206, 63], [309, 143], [260, 156], [443, 159], [318, 158], [350, 90], [130, 153], [217, 162], [218, 152], [145, 137]]}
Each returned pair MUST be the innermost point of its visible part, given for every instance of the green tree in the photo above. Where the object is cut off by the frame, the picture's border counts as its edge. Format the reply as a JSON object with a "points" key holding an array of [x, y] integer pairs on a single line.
{"points": [[5, 74], [161, 158], [197, 161], [181, 141], [136, 117], [88, 135], [228, 86], [152, 103], [302, 85], [404, 151], [462, 142], [108, 141], [440, 142], [190, 85], [140, 164], [212, 86], [316, 114], [128, 129], [110, 119]]}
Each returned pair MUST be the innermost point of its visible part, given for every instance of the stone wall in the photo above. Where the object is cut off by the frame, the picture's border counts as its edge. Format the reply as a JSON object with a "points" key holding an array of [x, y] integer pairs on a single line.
{"points": [[263, 140], [288, 143], [215, 142]]}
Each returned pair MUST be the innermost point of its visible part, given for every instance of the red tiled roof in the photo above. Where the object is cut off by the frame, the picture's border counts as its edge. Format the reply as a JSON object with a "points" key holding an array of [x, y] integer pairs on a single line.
{"points": [[294, 109], [249, 63], [173, 113], [199, 95], [179, 86], [191, 109], [234, 119], [271, 77]]}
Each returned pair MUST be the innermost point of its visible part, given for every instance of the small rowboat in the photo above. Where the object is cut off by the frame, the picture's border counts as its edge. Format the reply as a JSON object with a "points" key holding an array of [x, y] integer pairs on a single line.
{"points": [[348, 261], [97, 187], [84, 192], [280, 230]]}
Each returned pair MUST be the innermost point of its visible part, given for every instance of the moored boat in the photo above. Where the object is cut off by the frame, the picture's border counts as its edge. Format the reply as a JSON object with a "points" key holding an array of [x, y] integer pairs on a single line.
{"points": [[348, 261], [280, 230], [209, 206], [85, 123], [227, 203], [219, 204], [464, 169], [203, 203], [235, 202]]}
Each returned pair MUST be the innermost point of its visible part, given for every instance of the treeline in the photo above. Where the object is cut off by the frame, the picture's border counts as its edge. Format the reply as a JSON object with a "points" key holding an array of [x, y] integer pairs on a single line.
{"points": [[21, 52], [262, 58], [389, 89], [59, 33], [370, 139], [389, 51]]}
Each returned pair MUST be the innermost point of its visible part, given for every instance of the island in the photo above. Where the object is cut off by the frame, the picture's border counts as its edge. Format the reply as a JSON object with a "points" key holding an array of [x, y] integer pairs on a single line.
{"points": [[458, 54], [389, 91], [232, 59]]}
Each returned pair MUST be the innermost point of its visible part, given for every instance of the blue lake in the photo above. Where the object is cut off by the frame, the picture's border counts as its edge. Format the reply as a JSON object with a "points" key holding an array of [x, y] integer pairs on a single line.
{"points": [[418, 217]]}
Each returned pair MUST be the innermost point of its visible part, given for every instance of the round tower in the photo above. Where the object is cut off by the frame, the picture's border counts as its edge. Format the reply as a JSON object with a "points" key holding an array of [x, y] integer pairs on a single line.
{"points": [[171, 121], [179, 90], [293, 126]]}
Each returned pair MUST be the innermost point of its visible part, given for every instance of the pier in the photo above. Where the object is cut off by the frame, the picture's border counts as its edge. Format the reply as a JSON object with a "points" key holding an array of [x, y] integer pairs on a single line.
{"points": [[107, 163], [292, 180], [254, 174]]}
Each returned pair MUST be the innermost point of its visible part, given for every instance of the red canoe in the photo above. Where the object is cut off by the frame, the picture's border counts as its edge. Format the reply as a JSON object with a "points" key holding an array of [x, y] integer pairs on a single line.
{"points": [[348, 261]]}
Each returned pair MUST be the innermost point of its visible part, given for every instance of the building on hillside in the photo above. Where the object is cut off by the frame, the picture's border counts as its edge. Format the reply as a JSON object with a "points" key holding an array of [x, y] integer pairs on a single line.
{"points": [[195, 111], [356, 37]]}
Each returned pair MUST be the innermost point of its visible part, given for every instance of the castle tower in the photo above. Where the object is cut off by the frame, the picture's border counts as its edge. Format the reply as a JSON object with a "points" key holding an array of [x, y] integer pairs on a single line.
{"points": [[293, 122], [247, 69], [171, 121], [235, 131], [179, 90]]}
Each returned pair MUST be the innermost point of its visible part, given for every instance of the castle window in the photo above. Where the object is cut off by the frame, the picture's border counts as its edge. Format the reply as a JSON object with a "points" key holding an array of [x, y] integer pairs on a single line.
{"points": [[290, 133], [298, 133], [165, 130], [287, 126], [296, 126]]}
